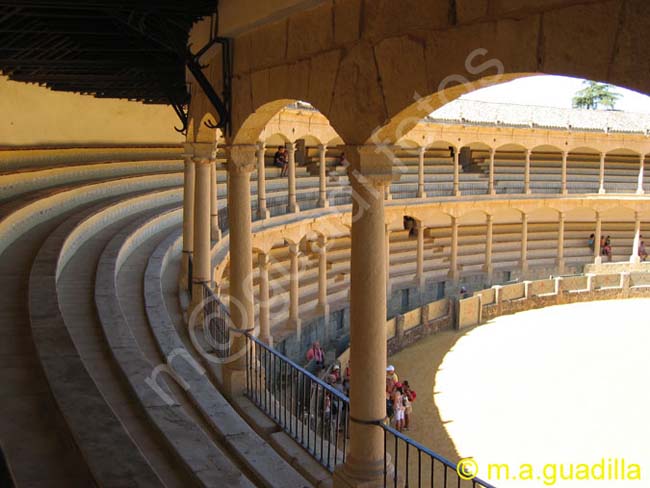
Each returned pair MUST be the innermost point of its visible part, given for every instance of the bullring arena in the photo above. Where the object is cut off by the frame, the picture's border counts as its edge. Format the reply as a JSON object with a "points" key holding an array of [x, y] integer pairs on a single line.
{"points": [[162, 288]]}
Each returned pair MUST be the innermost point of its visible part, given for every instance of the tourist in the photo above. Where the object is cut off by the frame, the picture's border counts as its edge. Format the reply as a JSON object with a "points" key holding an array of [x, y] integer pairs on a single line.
{"points": [[643, 254], [391, 374], [410, 396], [602, 245], [346, 379], [592, 242], [315, 353], [336, 373], [607, 248], [398, 406], [280, 160]]}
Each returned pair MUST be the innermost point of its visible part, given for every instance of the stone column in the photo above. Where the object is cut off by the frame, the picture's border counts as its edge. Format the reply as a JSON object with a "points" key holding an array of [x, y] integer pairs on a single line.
{"points": [[419, 273], [421, 192], [389, 289], [635, 258], [488, 247], [598, 258], [264, 316], [188, 216], [639, 186], [291, 152], [601, 186], [453, 257], [215, 232], [294, 288], [524, 243], [491, 188], [527, 173], [323, 202], [564, 163], [560, 244], [456, 172], [369, 173], [323, 306], [262, 211], [204, 154], [242, 163]]}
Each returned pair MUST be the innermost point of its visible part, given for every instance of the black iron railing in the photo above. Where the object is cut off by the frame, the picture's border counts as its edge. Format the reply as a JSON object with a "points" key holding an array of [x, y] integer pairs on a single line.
{"points": [[316, 414], [312, 412]]}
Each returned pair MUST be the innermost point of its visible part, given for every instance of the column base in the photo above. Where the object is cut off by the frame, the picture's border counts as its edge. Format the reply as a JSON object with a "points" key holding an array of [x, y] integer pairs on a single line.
{"points": [[323, 309], [601, 191], [565, 191], [263, 213], [640, 191], [528, 192], [598, 260], [268, 340], [323, 203], [293, 208], [492, 192], [635, 259], [422, 194], [350, 475], [389, 197], [457, 193], [215, 235]]}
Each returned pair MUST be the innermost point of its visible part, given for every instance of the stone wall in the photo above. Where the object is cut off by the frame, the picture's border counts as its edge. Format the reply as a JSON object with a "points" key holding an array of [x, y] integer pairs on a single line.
{"points": [[518, 297]]}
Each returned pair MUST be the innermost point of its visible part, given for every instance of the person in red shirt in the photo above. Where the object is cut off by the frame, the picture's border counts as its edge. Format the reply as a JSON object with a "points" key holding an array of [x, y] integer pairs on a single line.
{"points": [[410, 395], [315, 353]]}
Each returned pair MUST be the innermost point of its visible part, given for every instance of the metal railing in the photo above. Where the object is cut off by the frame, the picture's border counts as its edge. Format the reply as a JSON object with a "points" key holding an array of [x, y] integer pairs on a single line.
{"points": [[317, 414]]}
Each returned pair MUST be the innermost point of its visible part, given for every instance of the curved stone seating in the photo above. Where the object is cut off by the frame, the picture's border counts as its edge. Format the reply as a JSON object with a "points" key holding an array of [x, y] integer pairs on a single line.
{"points": [[207, 462], [111, 455], [231, 429], [28, 180]]}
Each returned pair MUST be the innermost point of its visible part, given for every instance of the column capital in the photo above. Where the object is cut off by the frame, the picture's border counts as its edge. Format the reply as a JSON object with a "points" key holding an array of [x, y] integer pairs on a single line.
{"points": [[204, 152], [488, 217], [291, 146], [261, 145], [529, 152], [322, 147], [372, 163], [263, 260], [242, 158], [421, 150], [293, 248]]}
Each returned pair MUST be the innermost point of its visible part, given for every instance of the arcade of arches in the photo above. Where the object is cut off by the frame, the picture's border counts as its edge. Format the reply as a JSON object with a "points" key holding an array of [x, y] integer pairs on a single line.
{"points": [[378, 197]]}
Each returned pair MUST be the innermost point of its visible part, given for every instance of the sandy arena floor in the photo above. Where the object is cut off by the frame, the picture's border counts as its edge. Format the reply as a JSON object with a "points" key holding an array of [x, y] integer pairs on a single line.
{"points": [[563, 385]]}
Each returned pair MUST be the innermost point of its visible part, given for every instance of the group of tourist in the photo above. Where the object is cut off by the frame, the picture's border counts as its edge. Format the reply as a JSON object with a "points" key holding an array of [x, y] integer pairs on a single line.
{"points": [[399, 400], [606, 247]]}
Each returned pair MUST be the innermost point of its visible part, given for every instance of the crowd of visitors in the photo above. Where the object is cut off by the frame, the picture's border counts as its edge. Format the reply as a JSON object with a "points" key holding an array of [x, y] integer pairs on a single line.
{"points": [[605, 245], [399, 399]]}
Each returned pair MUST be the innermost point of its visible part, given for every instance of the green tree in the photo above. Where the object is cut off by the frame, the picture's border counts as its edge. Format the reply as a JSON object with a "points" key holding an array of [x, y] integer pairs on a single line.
{"points": [[595, 95]]}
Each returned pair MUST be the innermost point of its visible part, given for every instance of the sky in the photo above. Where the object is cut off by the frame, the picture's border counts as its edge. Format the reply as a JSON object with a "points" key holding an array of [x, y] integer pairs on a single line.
{"points": [[552, 91]]}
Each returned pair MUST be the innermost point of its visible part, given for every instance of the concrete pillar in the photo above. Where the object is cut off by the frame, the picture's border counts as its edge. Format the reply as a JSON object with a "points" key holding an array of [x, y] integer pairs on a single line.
{"points": [[264, 315], [262, 211], [527, 172], [639, 185], [524, 243], [635, 258], [453, 257], [291, 153], [456, 172], [419, 273], [488, 247], [601, 185], [421, 192], [323, 201], [188, 216], [560, 244], [598, 258], [242, 163], [323, 306], [491, 188], [369, 173], [204, 154], [294, 288], [215, 232], [564, 178]]}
